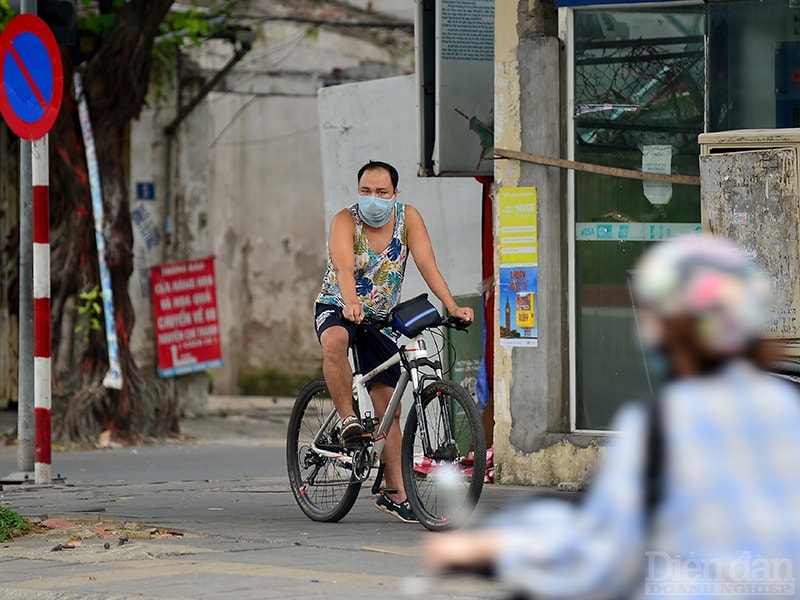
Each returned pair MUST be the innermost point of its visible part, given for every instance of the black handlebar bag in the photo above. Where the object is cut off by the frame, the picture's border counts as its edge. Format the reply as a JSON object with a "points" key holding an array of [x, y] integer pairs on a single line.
{"points": [[413, 316]]}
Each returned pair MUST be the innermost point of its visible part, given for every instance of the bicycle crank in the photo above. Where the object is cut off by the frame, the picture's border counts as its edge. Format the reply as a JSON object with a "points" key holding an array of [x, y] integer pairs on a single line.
{"points": [[362, 463]]}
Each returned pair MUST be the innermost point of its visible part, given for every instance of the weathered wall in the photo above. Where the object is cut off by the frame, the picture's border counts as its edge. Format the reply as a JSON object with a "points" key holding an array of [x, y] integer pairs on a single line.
{"points": [[268, 232], [148, 159], [377, 120], [531, 384], [182, 197], [247, 183], [267, 221], [399, 9]]}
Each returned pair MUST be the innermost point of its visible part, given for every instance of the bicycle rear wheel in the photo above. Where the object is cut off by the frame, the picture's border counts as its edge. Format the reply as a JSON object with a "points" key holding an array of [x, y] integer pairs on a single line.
{"points": [[444, 485], [324, 488]]}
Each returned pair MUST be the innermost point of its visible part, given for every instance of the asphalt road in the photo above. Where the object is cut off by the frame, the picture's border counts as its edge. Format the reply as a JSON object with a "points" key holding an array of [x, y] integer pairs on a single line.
{"points": [[210, 517], [170, 461], [239, 445]]}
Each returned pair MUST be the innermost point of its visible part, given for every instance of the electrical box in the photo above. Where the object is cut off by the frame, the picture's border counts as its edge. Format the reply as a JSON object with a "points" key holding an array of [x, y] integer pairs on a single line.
{"points": [[749, 193]]}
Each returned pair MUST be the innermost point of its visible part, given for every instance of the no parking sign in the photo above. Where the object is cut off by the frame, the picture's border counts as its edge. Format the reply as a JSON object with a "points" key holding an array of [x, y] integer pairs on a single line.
{"points": [[31, 77]]}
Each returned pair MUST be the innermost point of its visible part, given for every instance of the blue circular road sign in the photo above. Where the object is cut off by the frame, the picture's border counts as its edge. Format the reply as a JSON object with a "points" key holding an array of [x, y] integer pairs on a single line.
{"points": [[31, 77]]}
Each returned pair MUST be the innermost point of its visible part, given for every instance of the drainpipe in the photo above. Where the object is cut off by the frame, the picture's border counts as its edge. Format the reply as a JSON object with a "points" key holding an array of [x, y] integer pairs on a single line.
{"points": [[245, 38]]}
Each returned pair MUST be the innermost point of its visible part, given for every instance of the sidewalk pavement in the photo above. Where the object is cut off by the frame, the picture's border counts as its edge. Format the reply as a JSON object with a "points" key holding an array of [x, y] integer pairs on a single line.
{"points": [[240, 538]]}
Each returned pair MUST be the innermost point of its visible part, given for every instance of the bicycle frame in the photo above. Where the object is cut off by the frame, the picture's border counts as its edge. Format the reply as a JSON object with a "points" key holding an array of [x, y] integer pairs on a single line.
{"points": [[412, 357], [442, 448]]}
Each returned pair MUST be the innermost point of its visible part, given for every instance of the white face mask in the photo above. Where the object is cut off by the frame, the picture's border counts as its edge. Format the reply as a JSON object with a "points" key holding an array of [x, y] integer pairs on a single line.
{"points": [[375, 211]]}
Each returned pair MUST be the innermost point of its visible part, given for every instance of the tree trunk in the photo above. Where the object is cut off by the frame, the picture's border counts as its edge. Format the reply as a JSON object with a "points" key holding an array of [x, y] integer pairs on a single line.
{"points": [[115, 84]]}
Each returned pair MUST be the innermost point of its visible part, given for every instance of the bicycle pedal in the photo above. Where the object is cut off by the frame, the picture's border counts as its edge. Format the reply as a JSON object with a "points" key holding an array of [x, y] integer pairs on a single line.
{"points": [[357, 442], [387, 490]]}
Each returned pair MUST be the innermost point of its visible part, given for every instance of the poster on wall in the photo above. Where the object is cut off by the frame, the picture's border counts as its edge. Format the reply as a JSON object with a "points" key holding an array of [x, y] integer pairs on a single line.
{"points": [[519, 271], [185, 314], [518, 226], [518, 296]]}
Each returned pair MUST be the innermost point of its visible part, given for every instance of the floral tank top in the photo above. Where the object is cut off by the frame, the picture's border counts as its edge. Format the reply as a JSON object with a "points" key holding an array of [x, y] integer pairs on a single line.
{"points": [[378, 276]]}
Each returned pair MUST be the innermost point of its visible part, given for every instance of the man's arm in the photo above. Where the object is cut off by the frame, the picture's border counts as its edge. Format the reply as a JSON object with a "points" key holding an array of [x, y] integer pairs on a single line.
{"points": [[419, 242], [340, 247], [555, 549]]}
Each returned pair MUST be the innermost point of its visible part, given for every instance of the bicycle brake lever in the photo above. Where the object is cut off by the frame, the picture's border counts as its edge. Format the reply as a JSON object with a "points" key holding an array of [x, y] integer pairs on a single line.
{"points": [[458, 324]]}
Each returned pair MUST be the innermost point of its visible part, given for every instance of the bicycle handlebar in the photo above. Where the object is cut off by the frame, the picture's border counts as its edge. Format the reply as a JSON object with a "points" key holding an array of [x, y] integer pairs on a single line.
{"points": [[457, 324], [383, 321]]}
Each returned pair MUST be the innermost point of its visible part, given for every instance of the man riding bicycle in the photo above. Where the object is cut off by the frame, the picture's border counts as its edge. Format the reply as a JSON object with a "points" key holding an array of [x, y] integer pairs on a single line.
{"points": [[368, 245]]}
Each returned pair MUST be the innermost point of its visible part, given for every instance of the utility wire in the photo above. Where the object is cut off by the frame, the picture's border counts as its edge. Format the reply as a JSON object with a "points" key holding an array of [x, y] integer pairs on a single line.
{"points": [[264, 140], [232, 120]]}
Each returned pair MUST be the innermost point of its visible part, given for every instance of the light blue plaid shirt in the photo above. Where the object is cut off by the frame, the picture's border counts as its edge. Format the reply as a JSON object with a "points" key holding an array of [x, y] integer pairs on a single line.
{"points": [[728, 522]]}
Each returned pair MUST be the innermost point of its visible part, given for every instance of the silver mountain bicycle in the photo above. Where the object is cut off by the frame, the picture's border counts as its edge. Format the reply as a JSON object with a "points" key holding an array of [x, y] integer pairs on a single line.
{"points": [[443, 449]]}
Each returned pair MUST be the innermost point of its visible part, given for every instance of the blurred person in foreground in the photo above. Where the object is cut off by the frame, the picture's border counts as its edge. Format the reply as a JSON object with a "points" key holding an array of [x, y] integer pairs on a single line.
{"points": [[699, 496]]}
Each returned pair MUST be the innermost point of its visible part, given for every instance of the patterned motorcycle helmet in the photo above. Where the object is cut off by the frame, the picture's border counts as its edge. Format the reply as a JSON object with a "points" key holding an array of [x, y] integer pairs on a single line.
{"points": [[706, 277]]}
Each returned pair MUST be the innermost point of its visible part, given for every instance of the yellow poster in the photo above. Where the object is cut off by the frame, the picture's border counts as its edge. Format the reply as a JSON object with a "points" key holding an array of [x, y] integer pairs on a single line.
{"points": [[518, 239], [526, 310]]}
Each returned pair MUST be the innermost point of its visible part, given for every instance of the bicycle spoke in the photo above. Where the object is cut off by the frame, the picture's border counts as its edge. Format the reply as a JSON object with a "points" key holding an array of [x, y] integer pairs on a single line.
{"points": [[444, 483], [323, 487]]}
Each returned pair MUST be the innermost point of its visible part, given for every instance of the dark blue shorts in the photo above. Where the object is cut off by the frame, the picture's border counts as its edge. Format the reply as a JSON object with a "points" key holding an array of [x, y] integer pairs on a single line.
{"points": [[372, 346]]}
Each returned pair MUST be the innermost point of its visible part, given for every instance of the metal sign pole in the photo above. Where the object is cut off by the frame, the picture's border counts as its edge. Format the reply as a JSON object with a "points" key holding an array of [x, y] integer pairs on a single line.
{"points": [[25, 415], [25, 406], [30, 98]]}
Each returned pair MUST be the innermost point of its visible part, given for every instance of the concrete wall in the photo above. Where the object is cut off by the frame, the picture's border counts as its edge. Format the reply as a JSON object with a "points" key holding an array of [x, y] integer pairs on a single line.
{"points": [[248, 188], [148, 158], [267, 221], [532, 444], [399, 9], [248, 180], [377, 120], [178, 171], [268, 231]]}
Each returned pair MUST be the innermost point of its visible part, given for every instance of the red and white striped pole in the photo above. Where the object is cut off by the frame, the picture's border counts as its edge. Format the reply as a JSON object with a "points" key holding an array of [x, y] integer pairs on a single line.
{"points": [[42, 401]]}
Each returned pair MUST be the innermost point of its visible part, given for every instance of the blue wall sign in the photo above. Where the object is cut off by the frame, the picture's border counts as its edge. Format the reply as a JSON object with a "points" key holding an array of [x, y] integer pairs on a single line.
{"points": [[145, 190]]}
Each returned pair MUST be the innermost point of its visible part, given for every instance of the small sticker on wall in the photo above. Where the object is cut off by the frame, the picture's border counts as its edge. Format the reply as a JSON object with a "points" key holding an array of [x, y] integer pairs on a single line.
{"points": [[657, 158], [740, 218]]}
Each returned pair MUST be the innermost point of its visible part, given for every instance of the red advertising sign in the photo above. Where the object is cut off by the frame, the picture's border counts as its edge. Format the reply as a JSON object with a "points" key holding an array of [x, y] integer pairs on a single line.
{"points": [[185, 313]]}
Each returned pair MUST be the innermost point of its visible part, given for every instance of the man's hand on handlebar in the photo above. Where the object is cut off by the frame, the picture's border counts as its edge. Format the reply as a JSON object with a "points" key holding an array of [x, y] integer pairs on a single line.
{"points": [[464, 314], [353, 312]]}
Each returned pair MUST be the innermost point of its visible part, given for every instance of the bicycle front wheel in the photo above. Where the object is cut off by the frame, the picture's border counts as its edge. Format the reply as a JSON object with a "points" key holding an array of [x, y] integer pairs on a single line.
{"points": [[444, 482], [323, 487]]}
